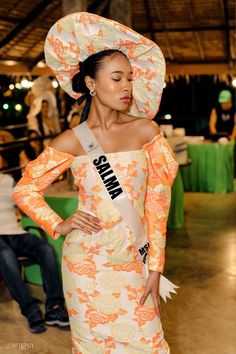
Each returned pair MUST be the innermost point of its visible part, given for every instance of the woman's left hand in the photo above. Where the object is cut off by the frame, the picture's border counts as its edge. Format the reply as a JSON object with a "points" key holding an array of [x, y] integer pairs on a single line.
{"points": [[152, 286]]}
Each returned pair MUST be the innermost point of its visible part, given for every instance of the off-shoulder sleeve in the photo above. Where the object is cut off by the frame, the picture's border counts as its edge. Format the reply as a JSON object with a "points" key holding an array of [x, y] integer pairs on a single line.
{"points": [[162, 169], [37, 176]]}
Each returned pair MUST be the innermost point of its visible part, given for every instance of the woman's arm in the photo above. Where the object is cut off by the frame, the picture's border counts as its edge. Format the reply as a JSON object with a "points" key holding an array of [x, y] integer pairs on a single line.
{"points": [[38, 175], [162, 169]]}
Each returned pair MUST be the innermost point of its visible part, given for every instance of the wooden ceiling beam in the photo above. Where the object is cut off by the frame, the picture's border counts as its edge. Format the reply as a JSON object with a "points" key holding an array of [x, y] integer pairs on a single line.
{"points": [[189, 29], [20, 68], [36, 60], [149, 20], [159, 15], [227, 31], [23, 24], [98, 6], [199, 69], [171, 69], [195, 33], [10, 19]]}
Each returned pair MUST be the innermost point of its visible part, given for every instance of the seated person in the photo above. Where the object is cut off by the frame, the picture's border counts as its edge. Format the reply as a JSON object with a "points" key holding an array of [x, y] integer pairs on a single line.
{"points": [[8, 156], [45, 122], [223, 116], [5, 137], [32, 149], [74, 115], [14, 241]]}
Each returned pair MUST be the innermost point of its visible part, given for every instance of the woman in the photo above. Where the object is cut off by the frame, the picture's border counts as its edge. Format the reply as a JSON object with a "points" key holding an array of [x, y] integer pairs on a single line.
{"points": [[113, 306], [42, 90], [46, 124]]}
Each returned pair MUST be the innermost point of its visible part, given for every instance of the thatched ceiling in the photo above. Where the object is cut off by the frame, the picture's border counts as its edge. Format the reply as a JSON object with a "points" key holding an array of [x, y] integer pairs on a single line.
{"points": [[198, 34]]}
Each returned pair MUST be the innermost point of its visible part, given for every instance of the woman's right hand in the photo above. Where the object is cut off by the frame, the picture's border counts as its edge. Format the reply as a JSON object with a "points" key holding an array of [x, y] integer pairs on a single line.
{"points": [[79, 220]]}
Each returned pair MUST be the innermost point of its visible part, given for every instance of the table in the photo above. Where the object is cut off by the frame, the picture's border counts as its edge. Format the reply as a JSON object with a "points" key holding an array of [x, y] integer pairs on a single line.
{"points": [[212, 168], [68, 204]]}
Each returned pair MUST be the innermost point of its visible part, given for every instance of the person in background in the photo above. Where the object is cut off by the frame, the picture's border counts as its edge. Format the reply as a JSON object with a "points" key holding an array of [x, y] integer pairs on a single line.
{"points": [[42, 90], [74, 115], [223, 116], [5, 137], [46, 125], [9, 158], [32, 149], [14, 241], [2, 160]]}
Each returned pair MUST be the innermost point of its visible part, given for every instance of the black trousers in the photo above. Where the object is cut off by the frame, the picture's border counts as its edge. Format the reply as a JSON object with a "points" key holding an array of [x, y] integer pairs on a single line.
{"points": [[27, 244]]}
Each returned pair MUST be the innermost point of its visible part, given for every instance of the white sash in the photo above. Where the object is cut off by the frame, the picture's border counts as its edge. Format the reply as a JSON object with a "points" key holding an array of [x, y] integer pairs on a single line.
{"points": [[119, 198]]}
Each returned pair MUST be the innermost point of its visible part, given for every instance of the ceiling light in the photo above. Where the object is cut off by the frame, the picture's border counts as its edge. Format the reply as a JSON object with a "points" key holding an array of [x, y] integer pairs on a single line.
{"points": [[10, 62], [41, 64], [54, 83], [18, 107], [25, 83], [18, 86]]}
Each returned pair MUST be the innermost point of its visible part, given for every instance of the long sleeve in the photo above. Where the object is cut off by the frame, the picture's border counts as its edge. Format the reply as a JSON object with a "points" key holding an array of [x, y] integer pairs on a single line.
{"points": [[38, 175], [162, 169]]}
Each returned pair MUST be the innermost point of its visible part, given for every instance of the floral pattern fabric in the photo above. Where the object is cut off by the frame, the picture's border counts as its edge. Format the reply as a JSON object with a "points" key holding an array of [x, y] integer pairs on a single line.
{"points": [[75, 37], [103, 277]]}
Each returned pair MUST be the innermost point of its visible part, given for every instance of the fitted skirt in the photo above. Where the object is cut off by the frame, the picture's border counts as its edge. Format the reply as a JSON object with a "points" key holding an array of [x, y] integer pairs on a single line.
{"points": [[103, 280]]}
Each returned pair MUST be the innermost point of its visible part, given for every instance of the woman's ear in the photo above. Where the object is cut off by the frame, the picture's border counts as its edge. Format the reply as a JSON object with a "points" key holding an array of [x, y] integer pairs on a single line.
{"points": [[90, 83]]}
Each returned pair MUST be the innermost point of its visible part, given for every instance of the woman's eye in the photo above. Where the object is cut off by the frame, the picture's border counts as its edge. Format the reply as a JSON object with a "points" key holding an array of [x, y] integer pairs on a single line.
{"points": [[116, 79]]}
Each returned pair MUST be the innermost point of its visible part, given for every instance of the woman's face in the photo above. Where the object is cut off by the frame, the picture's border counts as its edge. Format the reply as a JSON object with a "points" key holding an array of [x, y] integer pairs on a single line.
{"points": [[113, 84]]}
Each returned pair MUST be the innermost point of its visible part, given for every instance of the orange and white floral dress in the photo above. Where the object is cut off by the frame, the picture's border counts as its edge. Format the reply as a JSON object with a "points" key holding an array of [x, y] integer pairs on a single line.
{"points": [[103, 277]]}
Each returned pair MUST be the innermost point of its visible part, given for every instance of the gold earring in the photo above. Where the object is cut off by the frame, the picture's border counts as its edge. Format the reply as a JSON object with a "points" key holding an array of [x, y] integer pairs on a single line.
{"points": [[92, 92]]}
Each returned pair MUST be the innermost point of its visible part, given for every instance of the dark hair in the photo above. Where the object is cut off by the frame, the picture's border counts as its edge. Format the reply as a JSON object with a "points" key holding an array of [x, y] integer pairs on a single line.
{"points": [[39, 118], [89, 67], [29, 150]]}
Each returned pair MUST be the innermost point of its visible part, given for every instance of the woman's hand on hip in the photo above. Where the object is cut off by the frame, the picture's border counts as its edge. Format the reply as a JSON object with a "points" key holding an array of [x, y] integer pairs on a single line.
{"points": [[79, 220], [152, 286]]}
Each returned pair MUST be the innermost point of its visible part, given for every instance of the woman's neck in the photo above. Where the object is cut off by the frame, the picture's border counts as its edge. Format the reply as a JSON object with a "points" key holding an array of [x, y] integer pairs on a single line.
{"points": [[102, 117]]}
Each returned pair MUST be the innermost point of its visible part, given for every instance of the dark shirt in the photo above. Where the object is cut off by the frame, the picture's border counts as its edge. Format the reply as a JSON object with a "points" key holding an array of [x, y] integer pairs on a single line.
{"points": [[225, 120]]}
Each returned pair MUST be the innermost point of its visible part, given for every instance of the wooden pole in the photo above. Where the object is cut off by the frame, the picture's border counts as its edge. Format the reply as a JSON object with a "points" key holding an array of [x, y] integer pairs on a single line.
{"points": [[70, 6]]}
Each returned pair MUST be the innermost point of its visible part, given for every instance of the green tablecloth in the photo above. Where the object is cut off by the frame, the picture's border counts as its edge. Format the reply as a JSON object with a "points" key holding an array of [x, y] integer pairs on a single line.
{"points": [[176, 214], [212, 168], [65, 206]]}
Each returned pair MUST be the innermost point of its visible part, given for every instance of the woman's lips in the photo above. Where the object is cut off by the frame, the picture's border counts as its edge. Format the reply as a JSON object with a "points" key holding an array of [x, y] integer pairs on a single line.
{"points": [[125, 99]]}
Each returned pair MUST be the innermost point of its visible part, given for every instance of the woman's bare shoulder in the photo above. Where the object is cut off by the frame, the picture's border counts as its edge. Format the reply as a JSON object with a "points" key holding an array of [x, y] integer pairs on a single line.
{"points": [[143, 128], [147, 128], [65, 142]]}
